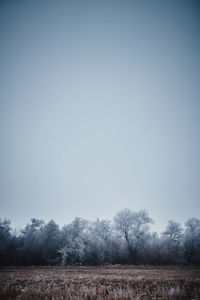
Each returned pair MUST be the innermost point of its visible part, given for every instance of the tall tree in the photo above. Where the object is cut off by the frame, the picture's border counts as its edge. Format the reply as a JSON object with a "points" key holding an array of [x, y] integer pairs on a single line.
{"points": [[134, 227], [192, 241], [98, 242], [5, 242], [73, 242], [29, 243], [50, 239], [172, 238]]}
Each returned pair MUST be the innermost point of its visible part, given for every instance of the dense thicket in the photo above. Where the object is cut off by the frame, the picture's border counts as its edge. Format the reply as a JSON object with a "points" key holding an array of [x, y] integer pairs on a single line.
{"points": [[126, 239]]}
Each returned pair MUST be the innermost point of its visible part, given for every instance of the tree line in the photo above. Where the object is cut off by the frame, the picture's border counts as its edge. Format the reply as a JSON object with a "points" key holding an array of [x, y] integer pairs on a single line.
{"points": [[126, 239]]}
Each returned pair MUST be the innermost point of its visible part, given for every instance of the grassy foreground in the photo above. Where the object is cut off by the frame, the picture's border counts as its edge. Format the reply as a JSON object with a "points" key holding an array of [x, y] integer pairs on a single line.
{"points": [[109, 282]]}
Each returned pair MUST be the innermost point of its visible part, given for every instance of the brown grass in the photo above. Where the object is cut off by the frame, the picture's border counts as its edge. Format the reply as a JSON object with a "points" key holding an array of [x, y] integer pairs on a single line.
{"points": [[110, 283]]}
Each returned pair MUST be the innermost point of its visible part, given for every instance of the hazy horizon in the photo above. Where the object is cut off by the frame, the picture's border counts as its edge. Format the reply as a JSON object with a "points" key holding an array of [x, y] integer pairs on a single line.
{"points": [[99, 110], [153, 227]]}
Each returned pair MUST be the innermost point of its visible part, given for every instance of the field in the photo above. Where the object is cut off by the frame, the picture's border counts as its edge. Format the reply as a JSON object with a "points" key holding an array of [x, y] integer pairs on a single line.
{"points": [[106, 282]]}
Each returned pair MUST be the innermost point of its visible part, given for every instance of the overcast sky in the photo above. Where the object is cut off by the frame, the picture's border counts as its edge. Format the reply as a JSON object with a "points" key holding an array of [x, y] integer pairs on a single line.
{"points": [[99, 109]]}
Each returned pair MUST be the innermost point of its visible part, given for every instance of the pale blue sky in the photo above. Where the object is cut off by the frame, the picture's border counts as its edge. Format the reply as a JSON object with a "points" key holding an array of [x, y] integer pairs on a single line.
{"points": [[99, 109]]}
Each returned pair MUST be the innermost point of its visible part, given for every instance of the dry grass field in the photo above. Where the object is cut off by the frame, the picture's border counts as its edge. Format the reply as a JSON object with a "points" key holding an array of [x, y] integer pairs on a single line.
{"points": [[108, 282]]}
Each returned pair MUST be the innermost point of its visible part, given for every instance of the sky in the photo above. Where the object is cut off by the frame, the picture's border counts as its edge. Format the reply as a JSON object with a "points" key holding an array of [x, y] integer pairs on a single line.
{"points": [[99, 109]]}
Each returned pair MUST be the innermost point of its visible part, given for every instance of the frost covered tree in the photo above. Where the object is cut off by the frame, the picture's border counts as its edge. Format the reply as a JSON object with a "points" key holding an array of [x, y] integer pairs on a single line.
{"points": [[73, 242], [192, 241], [98, 246], [134, 227], [29, 243], [50, 240], [6, 242], [171, 240], [173, 232]]}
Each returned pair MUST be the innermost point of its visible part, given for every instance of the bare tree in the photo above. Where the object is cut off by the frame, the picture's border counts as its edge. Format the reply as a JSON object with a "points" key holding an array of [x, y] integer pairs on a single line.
{"points": [[134, 227], [192, 241], [172, 238], [98, 241]]}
